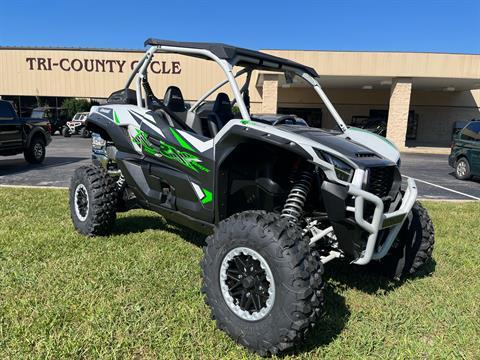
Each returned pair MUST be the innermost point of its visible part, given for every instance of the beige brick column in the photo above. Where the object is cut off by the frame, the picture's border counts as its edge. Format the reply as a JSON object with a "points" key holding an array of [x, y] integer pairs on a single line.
{"points": [[398, 111], [270, 94]]}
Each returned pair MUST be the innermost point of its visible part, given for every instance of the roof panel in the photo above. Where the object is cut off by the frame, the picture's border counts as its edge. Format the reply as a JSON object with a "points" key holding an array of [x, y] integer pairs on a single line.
{"points": [[255, 58]]}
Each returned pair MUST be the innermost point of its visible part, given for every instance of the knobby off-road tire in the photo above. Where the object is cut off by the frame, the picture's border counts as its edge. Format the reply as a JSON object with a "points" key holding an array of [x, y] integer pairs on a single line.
{"points": [[85, 133], [66, 132], [93, 201], [291, 271], [35, 153], [412, 248]]}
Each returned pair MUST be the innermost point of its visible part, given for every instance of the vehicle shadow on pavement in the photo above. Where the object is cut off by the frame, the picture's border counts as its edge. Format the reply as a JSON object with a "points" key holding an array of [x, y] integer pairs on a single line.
{"points": [[19, 166], [474, 179]]}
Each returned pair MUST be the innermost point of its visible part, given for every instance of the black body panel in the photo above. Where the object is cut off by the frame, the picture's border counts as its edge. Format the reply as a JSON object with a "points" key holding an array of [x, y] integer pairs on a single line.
{"points": [[259, 185], [361, 155], [349, 234], [109, 131]]}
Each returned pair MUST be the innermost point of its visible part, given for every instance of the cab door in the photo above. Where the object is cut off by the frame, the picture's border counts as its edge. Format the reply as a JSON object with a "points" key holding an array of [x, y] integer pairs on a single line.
{"points": [[10, 127], [181, 159]]}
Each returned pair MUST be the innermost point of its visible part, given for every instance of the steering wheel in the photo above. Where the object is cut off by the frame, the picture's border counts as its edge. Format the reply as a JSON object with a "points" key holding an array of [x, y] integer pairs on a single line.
{"points": [[284, 118]]}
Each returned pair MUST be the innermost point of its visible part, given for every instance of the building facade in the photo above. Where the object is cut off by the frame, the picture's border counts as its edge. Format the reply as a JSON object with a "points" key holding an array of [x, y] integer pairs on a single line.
{"points": [[418, 97]]}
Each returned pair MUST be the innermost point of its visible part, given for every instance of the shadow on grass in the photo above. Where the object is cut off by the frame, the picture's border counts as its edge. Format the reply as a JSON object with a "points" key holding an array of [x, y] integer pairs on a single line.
{"points": [[139, 223], [365, 279], [340, 276], [336, 315]]}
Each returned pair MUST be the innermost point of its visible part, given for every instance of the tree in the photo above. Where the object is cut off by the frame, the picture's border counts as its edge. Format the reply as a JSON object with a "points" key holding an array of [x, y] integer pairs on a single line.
{"points": [[74, 106]]}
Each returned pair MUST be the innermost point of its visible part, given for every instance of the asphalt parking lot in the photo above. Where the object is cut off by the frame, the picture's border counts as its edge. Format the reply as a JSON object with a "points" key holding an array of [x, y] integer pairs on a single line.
{"points": [[434, 178], [64, 155]]}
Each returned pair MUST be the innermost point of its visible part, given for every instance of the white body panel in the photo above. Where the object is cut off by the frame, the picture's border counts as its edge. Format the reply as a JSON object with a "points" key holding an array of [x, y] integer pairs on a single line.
{"points": [[375, 142]]}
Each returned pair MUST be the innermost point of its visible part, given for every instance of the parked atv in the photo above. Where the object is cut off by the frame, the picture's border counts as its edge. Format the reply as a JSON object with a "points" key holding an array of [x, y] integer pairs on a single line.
{"points": [[278, 199], [77, 126]]}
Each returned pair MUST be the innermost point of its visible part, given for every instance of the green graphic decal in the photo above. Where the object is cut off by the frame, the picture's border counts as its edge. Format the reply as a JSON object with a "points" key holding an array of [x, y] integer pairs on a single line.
{"points": [[208, 196], [181, 140], [168, 151], [115, 117], [141, 139], [251, 123], [186, 159]]}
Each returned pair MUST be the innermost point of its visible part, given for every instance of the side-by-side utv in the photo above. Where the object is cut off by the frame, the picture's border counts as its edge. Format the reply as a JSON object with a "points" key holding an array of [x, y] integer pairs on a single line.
{"points": [[278, 199]]}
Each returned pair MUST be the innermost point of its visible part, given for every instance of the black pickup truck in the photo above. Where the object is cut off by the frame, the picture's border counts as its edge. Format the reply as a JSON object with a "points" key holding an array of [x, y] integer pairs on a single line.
{"points": [[27, 135]]}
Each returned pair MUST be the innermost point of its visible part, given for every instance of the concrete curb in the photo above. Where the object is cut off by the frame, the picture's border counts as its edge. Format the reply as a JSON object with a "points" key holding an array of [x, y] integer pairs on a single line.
{"points": [[33, 187], [448, 200]]}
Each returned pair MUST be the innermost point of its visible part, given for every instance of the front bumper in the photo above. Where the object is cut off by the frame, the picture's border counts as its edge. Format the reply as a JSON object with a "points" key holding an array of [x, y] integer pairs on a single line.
{"points": [[74, 125], [391, 222]]}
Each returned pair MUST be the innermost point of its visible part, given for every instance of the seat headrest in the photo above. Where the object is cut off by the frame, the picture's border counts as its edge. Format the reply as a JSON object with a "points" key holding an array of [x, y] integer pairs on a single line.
{"points": [[173, 99], [222, 105]]}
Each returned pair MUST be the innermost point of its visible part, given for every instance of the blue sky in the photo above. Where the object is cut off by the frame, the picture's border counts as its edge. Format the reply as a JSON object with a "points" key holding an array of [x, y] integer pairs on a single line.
{"points": [[421, 25]]}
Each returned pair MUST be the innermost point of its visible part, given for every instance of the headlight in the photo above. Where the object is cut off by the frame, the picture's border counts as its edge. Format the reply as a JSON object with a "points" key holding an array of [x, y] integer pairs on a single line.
{"points": [[98, 144], [399, 163], [343, 171]]}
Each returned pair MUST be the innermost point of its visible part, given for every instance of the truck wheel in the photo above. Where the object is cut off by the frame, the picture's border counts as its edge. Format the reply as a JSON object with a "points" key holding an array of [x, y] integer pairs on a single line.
{"points": [[35, 153], [262, 282], [85, 133], [412, 248], [462, 169], [66, 131], [93, 201]]}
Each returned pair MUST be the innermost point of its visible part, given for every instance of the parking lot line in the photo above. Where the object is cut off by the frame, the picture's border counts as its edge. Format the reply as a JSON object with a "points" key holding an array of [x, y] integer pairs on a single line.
{"points": [[442, 187]]}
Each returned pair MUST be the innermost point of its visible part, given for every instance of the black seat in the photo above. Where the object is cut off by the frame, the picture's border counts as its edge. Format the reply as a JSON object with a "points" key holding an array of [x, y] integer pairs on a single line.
{"points": [[220, 115], [223, 108], [174, 102]]}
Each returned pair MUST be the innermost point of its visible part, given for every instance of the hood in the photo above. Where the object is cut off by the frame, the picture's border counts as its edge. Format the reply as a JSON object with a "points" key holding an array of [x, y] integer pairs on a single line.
{"points": [[358, 153]]}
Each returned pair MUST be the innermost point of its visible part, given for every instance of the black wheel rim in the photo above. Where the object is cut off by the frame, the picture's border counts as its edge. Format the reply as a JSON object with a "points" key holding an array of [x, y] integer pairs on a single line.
{"points": [[81, 202], [247, 284]]}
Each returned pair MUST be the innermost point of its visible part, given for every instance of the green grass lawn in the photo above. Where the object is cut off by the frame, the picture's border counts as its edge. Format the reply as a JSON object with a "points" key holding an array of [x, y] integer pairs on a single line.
{"points": [[135, 294]]}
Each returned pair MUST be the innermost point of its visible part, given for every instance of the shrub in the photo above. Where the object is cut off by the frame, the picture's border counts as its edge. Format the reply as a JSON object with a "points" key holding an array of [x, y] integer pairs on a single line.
{"points": [[74, 106]]}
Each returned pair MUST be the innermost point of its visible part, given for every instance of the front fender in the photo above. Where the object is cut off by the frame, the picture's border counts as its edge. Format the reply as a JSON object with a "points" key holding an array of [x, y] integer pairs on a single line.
{"points": [[38, 131], [110, 131], [239, 134]]}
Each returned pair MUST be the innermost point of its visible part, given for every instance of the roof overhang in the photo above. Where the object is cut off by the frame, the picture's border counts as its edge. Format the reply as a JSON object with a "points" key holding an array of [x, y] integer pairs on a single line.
{"points": [[428, 71], [374, 82]]}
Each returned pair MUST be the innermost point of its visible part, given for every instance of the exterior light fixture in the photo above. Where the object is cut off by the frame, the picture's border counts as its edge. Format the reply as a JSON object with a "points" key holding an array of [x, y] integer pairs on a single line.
{"points": [[449, 88]]}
